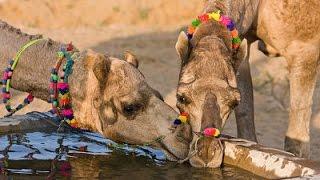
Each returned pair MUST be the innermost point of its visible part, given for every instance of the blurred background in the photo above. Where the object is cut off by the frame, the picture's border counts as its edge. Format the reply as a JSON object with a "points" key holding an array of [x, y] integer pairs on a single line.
{"points": [[150, 29]]}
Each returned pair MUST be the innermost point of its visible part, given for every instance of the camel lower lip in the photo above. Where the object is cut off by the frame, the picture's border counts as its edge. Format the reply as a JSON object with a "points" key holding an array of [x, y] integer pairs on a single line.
{"points": [[170, 156]]}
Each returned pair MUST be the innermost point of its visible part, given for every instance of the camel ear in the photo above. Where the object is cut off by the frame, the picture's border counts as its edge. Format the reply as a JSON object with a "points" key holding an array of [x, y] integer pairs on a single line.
{"points": [[131, 58], [241, 54], [182, 47], [101, 67]]}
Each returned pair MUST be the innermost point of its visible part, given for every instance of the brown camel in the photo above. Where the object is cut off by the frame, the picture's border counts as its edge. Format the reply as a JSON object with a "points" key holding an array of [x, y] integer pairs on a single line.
{"points": [[109, 95], [214, 76]]}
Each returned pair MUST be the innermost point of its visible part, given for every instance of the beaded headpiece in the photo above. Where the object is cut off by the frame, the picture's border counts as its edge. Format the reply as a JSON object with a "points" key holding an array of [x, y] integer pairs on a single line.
{"points": [[222, 19]]}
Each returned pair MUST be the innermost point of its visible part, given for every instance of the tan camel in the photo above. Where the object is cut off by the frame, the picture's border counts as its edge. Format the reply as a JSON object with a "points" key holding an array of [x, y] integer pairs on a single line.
{"points": [[213, 75], [110, 96]]}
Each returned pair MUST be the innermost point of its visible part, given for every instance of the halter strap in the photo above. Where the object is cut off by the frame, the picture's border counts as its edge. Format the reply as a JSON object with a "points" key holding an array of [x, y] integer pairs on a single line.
{"points": [[6, 81]]}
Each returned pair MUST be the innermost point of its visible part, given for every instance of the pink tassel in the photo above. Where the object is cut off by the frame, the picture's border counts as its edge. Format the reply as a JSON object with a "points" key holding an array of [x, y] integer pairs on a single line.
{"points": [[51, 86], [5, 76], [63, 86], [30, 97], [6, 96], [67, 112], [225, 20], [209, 131]]}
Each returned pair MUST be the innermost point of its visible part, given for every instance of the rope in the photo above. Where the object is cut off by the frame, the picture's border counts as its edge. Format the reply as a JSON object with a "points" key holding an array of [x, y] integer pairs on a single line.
{"points": [[6, 81]]}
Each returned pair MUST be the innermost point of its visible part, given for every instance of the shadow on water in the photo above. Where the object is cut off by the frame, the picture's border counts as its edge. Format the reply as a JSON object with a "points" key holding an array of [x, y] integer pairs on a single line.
{"points": [[51, 155]]}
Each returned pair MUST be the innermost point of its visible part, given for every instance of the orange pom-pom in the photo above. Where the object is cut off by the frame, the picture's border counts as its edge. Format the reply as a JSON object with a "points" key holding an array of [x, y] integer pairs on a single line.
{"points": [[234, 33], [191, 29]]}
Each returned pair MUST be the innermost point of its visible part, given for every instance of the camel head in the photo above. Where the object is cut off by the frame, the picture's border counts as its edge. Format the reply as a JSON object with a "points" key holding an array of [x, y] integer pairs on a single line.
{"points": [[207, 88], [115, 100]]}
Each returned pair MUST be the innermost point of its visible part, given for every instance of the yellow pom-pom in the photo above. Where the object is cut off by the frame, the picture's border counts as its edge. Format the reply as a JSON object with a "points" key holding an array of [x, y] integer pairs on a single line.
{"points": [[73, 121], [217, 133], [215, 15], [183, 119]]}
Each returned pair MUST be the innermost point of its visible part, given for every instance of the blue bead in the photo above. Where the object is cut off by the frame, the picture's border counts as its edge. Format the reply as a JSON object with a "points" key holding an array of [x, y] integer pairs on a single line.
{"points": [[230, 26], [4, 90], [26, 101], [189, 36], [4, 81], [177, 122], [8, 69], [11, 62]]}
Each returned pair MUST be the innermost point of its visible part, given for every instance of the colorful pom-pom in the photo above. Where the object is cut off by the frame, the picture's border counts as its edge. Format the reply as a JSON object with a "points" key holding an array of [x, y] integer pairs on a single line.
{"points": [[225, 20], [8, 107], [68, 113], [191, 29], [30, 97], [230, 26], [177, 122], [235, 46], [54, 77], [69, 47], [183, 118], [55, 103], [215, 15], [6, 95], [211, 132], [204, 18], [234, 33], [60, 54], [184, 114], [63, 86], [236, 40], [196, 22]]}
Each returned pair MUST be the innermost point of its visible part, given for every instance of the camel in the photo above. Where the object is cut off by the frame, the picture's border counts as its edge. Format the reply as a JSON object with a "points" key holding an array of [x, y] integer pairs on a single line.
{"points": [[109, 95], [215, 79]]}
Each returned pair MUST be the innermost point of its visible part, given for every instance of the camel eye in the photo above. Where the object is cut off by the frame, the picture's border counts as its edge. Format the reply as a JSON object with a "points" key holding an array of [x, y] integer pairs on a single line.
{"points": [[182, 99], [131, 109]]}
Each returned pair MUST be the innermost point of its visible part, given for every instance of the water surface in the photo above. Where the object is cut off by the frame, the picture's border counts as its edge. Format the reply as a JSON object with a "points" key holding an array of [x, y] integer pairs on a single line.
{"points": [[51, 155]]}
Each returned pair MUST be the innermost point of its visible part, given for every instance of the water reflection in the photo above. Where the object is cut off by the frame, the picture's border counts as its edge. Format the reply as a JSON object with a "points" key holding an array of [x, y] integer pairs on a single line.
{"points": [[88, 155]]}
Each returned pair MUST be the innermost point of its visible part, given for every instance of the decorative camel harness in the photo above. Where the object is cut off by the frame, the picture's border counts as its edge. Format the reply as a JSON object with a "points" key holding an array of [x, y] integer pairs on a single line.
{"points": [[59, 88]]}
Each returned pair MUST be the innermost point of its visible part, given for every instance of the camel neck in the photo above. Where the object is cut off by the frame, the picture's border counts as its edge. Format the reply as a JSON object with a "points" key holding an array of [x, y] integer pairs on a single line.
{"points": [[34, 68]]}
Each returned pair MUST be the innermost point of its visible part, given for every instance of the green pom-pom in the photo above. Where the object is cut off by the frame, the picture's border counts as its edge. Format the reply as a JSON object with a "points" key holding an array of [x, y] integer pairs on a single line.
{"points": [[60, 54], [54, 77], [196, 22], [55, 103], [236, 40]]}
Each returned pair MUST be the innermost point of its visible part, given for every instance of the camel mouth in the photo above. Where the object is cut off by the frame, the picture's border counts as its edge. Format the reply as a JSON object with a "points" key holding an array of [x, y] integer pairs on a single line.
{"points": [[169, 154]]}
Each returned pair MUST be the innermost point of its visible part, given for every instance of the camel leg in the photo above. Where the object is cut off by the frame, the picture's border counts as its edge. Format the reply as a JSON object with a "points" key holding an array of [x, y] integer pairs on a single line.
{"points": [[302, 63], [245, 111]]}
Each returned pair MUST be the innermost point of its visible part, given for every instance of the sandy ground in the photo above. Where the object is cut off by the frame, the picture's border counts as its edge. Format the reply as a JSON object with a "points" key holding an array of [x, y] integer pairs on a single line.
{"points": [[150, 29]]}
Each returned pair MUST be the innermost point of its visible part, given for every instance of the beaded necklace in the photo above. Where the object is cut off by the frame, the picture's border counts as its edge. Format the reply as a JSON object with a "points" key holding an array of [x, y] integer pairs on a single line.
{"points": [[6, 81], [59, 87], [222, 19]]}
